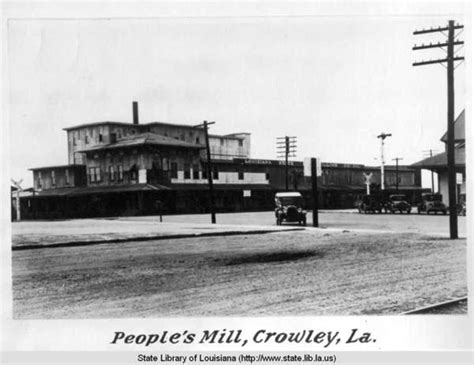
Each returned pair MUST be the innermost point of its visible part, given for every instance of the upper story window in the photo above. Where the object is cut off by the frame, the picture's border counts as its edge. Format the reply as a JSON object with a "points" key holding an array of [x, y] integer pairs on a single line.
{"points": [[222, 141], [74, 141], [119, 172], [197, 140], [174, 170], [87, 139], [94, 174], [215, 173], [39, 182], [195, 172], [66, 177], [111, 173], [241, 142], [113, 137], [187, 171], [53, 178], [100, 137], [241, 174]]}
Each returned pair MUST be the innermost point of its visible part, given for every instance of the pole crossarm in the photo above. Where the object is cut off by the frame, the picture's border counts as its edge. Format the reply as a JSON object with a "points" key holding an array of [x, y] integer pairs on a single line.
{"points": [[434, 30], [430, 62], [436, 45]]}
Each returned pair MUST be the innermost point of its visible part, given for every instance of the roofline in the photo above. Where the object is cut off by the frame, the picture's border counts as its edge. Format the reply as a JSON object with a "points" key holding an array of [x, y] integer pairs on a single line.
{"points": [[55, 167], [189, 126]]}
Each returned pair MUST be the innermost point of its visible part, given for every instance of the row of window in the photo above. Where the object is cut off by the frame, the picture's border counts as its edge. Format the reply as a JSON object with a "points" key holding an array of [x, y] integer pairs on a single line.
{"points": [[39, 182], [115, 174]]}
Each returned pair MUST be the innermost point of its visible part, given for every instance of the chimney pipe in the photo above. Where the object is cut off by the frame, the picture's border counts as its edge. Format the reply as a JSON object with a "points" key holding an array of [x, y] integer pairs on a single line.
{"points": [[135, 112]]}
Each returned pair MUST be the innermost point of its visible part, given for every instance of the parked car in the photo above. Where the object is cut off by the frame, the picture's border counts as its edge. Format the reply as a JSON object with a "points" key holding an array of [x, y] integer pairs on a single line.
{"points": [[432, 203], [397, 202], [369, 204], [289, 208]]}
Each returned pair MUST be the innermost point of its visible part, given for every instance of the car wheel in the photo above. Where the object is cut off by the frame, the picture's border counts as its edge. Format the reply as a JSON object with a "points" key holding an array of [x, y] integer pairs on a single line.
{"points": [[419, 211]]}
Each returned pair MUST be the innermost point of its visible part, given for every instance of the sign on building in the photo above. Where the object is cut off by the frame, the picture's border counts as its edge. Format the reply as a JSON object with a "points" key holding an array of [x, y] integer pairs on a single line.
{"points": [[307, 166], [247, 193]]}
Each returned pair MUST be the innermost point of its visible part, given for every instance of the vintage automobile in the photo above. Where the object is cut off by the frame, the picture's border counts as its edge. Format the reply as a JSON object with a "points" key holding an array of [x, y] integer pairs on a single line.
{"points": [[369, 204], [432, 203], [397, 202], [289, 208]]}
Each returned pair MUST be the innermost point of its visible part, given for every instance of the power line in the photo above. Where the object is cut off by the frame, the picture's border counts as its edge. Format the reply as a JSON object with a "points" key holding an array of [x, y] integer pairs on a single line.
{"points": [[449, 60]]}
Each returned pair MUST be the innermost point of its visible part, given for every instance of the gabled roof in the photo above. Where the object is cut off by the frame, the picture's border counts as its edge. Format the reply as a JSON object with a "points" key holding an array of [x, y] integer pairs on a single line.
{"points": [[441, 160], [459, 129], [142, 140]]}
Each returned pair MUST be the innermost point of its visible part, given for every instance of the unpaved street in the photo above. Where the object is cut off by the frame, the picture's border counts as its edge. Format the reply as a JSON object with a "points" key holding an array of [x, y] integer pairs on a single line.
{"points": [[309, 272]]}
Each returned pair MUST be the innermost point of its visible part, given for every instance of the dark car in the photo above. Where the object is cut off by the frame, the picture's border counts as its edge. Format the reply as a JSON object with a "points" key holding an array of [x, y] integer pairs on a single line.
{"points": [[432, 203], [289, 208], [369, 204], [397, 203]]}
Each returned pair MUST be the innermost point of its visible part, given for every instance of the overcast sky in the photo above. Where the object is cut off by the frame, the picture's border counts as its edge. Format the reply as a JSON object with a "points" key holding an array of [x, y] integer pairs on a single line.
{"points": [[334, 82]]}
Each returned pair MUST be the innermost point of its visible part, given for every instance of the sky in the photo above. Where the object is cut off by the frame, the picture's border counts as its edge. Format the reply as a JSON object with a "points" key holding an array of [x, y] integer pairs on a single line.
{"points": [[334, 82]]}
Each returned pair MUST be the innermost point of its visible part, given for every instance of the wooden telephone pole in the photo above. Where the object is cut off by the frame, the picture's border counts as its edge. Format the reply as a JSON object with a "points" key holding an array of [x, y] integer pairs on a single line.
{"points": [[396, 170], [449, 60], [286, 147], [206, 125]]}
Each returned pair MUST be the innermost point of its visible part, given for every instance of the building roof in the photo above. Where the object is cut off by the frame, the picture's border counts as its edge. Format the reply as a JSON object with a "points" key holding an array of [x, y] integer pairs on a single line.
{"points": [[459, 129], [93, 124], [441, 160], [56, 167], [78, 191], [142, 140]]}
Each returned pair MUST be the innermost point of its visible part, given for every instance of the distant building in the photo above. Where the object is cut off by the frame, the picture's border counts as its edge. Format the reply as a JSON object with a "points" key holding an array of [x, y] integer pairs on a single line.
{"points": [[439, 162], [118, 168]]}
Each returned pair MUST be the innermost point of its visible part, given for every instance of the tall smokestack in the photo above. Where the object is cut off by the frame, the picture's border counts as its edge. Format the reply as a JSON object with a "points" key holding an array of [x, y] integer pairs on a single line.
{"points": [[135, 112]]}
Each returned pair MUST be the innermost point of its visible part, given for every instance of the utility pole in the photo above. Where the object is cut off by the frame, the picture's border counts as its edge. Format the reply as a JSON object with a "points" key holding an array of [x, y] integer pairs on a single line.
{"points": [[432, 172], [206, 125], [17, 184], [449, 60], [382, 137], [396, 170], [286, 147], [314, 186]]}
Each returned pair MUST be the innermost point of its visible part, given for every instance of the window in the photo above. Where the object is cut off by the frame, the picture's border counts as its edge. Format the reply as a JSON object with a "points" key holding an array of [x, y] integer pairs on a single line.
{"points": [[39, 182], [74, 141], [197, 140], [111, 173], [174, 170], [134, 173], [187, 171], [241, 175], [204, 172], [87, 139], [113, 138], [66, 176], [195, 172], [100, 137], [119, 172], [222, 141], [241, 142], [53, 178], [215, 173], [94, 174], [267, 176]]}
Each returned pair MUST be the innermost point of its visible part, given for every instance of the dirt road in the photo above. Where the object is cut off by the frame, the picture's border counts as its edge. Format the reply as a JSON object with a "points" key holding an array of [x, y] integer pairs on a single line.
{"points": [[299, 273]]}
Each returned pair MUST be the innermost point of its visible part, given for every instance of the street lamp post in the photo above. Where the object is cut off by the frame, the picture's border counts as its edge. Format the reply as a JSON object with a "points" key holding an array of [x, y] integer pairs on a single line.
{"points": [[382, 137]]}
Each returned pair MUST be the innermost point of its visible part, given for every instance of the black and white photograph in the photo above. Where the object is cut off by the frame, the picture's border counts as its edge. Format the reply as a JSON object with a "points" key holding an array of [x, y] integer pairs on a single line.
{"points": [[254, 163]]}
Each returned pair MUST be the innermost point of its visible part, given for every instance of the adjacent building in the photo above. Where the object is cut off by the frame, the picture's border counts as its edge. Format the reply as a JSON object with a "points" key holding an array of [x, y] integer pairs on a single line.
{"points": [[439, 162]]}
